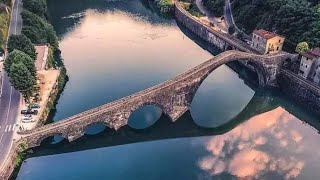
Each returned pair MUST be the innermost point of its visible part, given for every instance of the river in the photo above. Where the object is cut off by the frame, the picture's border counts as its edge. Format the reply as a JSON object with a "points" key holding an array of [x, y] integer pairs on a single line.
{"points": [[113, 48]]}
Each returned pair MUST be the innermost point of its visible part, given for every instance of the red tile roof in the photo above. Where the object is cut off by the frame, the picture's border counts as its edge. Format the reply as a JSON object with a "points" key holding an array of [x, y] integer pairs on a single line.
{"points": [[265, 34], [314, 53]]}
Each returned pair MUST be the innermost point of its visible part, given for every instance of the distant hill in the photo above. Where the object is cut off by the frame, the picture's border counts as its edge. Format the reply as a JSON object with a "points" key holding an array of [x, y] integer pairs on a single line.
{"points": [[298, 20]]}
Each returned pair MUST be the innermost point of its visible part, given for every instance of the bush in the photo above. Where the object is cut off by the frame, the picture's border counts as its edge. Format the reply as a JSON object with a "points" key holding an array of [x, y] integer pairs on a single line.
{"points": [[164, 6]]}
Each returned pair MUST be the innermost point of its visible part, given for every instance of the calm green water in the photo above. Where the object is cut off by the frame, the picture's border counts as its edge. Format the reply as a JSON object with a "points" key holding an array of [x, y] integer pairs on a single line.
{"points": [[118, 47]]}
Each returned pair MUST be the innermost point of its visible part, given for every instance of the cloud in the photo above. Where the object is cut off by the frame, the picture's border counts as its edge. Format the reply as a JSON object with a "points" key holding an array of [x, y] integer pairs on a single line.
{"points": [[240, 152], [248, 163]]}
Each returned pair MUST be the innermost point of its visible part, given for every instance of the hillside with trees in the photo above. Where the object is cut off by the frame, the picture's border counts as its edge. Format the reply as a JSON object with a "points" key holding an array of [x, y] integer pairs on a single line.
{"points": [[215, 6], [297, 20]]}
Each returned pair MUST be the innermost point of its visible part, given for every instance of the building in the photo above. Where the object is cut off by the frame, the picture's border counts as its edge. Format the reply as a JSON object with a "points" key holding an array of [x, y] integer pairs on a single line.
{"points": [[267, 42], [310, 65], [42, 51], [1, 56]]}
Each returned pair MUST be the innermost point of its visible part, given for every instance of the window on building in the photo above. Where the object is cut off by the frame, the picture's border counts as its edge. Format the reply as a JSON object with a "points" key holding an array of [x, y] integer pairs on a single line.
{"points": [[278, 48], [306, 66], [301, 72], [279, 40], [301, 64]]}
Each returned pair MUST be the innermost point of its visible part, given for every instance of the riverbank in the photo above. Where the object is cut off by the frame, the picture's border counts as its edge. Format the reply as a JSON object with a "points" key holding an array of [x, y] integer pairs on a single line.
{"points": [[51, 83], [19, 151]]}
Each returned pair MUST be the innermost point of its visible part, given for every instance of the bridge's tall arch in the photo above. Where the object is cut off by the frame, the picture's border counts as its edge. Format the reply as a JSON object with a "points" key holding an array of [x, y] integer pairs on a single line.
{"points": [[219, 100], [260, 70]]}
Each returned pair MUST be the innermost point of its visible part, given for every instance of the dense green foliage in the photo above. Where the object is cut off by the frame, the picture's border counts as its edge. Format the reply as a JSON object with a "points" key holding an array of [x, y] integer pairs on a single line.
{"points": [[164, 6], [16, 57], [38, 7], [193, 9], [297, 20], [302, 47], [21, 78], [215, 6], [22, 43], [21, 71], [38, 30]]}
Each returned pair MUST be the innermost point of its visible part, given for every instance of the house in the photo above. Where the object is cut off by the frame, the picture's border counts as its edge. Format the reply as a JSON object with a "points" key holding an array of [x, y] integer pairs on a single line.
{"points": [[267, 42], [42, 51], [310, 65]]}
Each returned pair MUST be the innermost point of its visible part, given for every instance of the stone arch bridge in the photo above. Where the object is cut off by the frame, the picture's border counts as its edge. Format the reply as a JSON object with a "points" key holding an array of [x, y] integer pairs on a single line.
{"points": [[173, 96]]}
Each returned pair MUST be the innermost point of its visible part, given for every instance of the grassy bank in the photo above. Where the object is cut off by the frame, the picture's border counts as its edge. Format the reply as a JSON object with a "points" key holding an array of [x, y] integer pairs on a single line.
{"points": [[4, 23]]}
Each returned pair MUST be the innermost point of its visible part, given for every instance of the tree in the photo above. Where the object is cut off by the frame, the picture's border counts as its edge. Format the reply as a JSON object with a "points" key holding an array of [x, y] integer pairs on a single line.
{"points": [[231, 30], [297, 20], [21, 78], [38, 7], [215, 6], [302, 47], [38, 30], [16, 57], [22, 43]]}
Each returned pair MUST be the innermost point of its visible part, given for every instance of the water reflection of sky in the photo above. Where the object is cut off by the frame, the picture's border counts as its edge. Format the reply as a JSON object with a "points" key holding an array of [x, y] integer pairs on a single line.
{"points": [[273, 145], [268, 145]]}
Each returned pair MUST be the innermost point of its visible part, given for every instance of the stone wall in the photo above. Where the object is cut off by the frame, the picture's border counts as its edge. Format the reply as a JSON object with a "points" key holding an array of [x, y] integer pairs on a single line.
{"points": [[204, 30], [303, 92]]}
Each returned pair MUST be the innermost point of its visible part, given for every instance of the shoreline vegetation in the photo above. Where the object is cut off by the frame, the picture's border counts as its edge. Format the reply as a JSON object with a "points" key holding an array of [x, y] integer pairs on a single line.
{"points": [[36, 30], [164, 6]]}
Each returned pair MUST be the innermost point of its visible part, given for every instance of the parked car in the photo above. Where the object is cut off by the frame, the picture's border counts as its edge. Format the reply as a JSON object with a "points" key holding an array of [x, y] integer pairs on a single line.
{"points": [[29, 111], [34, 106], [28, 120]]}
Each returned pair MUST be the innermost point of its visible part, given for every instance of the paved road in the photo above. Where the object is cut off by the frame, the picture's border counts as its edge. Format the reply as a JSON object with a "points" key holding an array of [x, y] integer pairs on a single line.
{"points": [[215, 20], [10, 99], [230, 21]]}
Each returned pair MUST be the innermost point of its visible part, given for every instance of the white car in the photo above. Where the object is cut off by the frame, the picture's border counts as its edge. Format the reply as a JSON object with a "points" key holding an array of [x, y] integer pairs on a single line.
{"points": [[1, 57], [27, 119]]}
